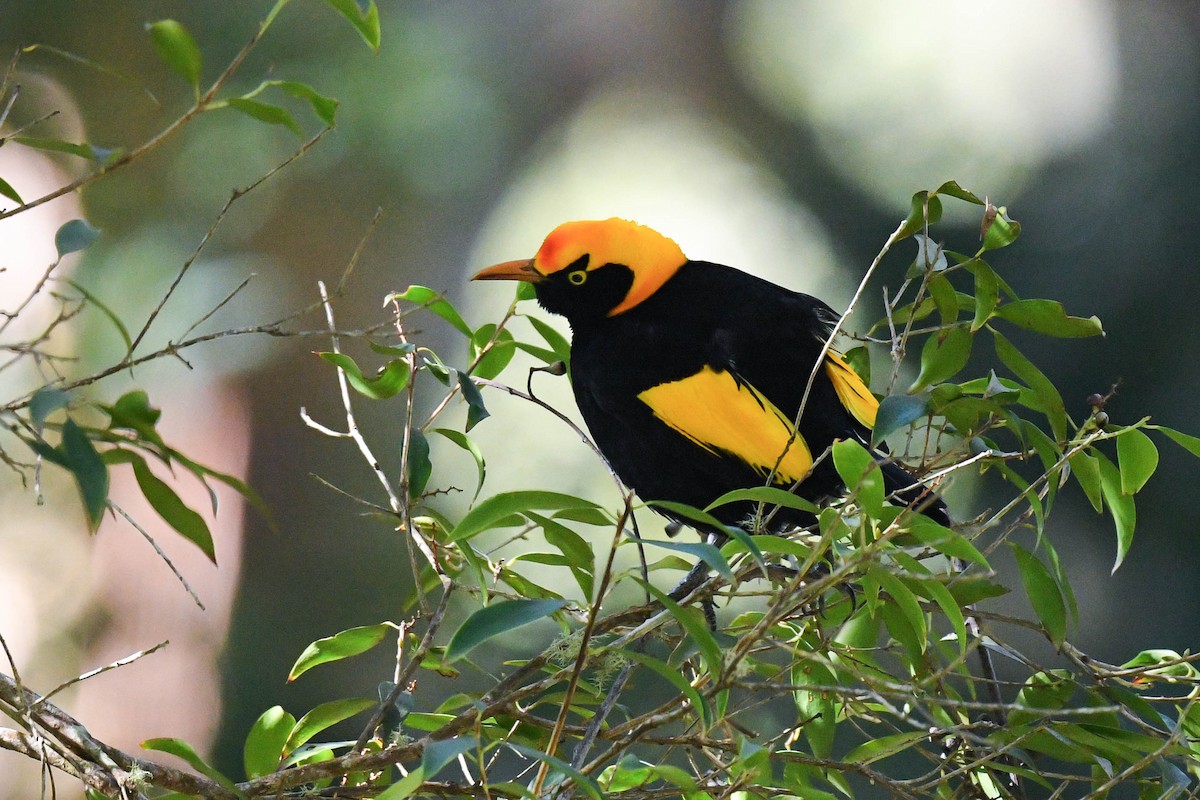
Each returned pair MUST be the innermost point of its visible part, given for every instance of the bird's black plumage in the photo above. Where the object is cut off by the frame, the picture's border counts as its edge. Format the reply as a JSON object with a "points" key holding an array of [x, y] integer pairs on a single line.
{"points": [[733, 351]]}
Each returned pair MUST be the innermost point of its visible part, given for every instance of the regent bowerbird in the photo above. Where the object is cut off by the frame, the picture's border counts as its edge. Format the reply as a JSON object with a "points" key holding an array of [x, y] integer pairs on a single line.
{"points": [[690, 375]]}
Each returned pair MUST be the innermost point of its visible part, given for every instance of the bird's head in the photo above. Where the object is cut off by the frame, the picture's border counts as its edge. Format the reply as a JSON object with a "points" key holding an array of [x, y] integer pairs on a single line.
{"points": [[595, 268]]}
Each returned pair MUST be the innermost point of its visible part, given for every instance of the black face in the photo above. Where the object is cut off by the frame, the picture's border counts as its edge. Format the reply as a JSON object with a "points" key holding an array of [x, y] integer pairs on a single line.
{"points": [[582, 295]]}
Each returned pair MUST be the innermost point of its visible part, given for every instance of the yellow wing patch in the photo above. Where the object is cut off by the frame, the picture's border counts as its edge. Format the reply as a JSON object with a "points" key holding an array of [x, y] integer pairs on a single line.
{"points": [[851, 390], [719, 414]]}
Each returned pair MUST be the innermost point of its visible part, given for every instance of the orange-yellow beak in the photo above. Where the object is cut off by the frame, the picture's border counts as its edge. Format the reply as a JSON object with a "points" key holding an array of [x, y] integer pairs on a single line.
{"points": [[510, 271]]}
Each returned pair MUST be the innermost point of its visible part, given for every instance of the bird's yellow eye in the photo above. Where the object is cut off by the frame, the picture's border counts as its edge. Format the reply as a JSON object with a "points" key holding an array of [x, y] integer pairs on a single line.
{"points": [[577, 277]]}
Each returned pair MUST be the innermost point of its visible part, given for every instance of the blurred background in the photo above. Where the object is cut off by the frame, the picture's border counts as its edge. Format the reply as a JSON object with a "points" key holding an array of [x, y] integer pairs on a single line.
{"points": [[785, 138]]}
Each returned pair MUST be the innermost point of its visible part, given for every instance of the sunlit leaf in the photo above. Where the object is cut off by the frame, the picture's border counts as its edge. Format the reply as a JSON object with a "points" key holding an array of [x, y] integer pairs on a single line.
{"points": [[1043, 592], [987, 293], [884, 746], [942, 356], [1137, 457], [181, 749], [1000, 231], [74, 236], [495, 619], [364, 18], [389, 382], [1048, 317], [769, 495], [861, 474], [1120, 507], [501, 506], [693, 622], [324, 716], [264, 748], [926, 209], [435, 302], [904, 601], [493, 362], [177, 49], [347, 643]]}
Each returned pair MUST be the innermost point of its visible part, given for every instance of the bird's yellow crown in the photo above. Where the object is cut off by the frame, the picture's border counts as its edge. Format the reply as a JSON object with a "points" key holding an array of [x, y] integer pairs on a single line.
{"points": [[650, 256]]}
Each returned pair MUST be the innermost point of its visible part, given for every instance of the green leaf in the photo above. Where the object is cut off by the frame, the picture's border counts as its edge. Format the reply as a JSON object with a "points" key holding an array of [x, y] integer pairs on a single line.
{"points": [[674, 677], [345, 644], [1001, 231], [585, 782], [877, 749], [1189, 443], [263, 750], [768, 495], [926, 209], [861, 474], [706, 552], [8, 191], [420, 468], [1120, 507], [468, 444], [324, 716], [74, 236], [181, 749], [1137, 457], [896, 411], [388, 383], [265, 112], [1086, 470], [498, 507], [944, 540], [177, 49], [1048, 317], [434, 301], [476, 411], [906, 603], [364, 19], [91, 473], [46, 401], [558, 343], [493, 362], [166, 503], [59, 146], [440, 752], [406, 786], [942, 356], [1044, 594], [693, 622], [987, 293], [324, 107], [495, 619], [1023, 368], [952, 189], [575, 549]]}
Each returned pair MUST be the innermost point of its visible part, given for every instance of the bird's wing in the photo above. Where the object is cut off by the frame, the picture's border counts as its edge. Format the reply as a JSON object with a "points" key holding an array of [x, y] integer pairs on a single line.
{"points": [[722, 414]]}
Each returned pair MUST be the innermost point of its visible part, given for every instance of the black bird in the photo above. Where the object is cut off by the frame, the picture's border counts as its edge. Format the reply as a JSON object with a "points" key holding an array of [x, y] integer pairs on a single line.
{"points": [[690, 374]]}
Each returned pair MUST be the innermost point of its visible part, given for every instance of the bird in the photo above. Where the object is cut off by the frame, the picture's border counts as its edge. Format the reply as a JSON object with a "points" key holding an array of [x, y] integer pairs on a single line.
{"points": [[690, 374]]}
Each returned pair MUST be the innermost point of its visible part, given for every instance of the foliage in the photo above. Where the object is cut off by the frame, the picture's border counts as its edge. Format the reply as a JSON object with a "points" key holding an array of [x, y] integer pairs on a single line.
{"points": [[857, 659]]}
